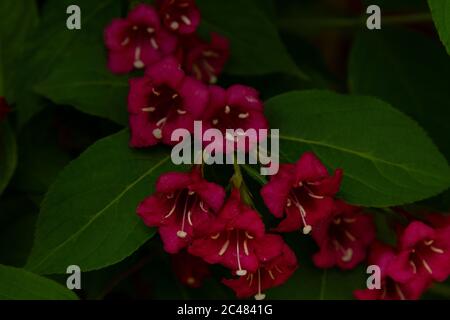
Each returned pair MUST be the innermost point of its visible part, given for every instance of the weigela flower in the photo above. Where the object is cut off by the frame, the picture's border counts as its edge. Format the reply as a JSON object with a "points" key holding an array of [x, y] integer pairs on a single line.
{"points": [[270, 274], [382, 256], [180, 16], [237, 239], [162, 101], [302, 192], [4, 108], [205, 60], [237, 107], [137, 41], [343, 237], [190, 270], [423, 252], [183, 207]]}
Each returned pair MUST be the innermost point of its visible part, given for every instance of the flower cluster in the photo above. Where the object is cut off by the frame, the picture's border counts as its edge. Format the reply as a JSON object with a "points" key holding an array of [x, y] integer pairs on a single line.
{"points": [[149, 34], [422, 256], [198, 223]]}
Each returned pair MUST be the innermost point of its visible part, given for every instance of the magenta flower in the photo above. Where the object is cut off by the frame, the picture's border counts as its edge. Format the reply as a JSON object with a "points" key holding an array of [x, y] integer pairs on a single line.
{"points": [[383, 255], [137, 41], [423, 252], [343, 237], [162, 101], [270, 274], [190, 270], [183, 207], [302, 192], [237, 239], [237, 107], [205, 61], [4, 108], [180, 16]]}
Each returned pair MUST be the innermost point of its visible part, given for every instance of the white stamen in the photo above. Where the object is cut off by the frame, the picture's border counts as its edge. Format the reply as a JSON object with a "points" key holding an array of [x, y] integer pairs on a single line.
{"points": [[189, 217], [429, 242], [413, 265], [149, 109], [246, 248], [125, 41], [307, 229], [156, 93], [312, 195], [212, 79], [186, 20], [224, 248], [150, 30], [437, 250], [179, 111], [157, 133], [181, 234], [135, 27], [427, 266], [347, 256], [174, 25], [202, 207], [399, 292], [271, 274], [240, 271], [216, 236], [227, 109], [243, 115], [215, 121], [288, 203], [191, 192], [137, 58], [259, 295], [248, 236], [349, 235], [161, 121], [154, 43], [349, 220], [337, 221]]}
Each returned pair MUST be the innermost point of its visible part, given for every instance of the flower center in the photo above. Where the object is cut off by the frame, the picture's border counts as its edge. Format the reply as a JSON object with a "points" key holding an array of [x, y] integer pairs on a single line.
{"points": [[230, 117], [162, 103], [178, 15], [235, 239], [419, 254], [137, 36], [342, 236]]}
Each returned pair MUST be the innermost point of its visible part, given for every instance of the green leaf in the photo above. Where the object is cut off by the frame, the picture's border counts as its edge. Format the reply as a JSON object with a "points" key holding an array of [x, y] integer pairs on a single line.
{"points": [[256, 47], [88, 217], [83, 81], [17, 19], [440, 10], [54, 48], [387, 158], [8, 155], [19, 284], [409, 71]]}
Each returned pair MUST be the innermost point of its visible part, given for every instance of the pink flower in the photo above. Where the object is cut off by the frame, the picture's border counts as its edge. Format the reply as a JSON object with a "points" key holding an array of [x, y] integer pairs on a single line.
{"points": [[4, 108], [162, 101], [237, 107], [270, 274], [237, 239], [382, 256], [343, 237], [205, 61], [183, 207], [190, 270], [180, 16], [302, 192], [137, 41], [423, 252]]}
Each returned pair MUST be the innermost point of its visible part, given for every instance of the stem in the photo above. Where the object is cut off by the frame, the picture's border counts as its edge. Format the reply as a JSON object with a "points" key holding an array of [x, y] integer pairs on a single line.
{"points": [[305, 23], [237, 180]]}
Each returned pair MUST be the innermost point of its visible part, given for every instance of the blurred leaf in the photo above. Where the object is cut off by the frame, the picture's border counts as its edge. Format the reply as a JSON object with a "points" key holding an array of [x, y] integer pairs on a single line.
{"points": [[19, 284], [8, 156], [40, 156], [410, 72], [17, 19], [88, 217], [18, 217], [387, 158], [53, 45], [83, 81], [441, 16], [255, 44]]}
